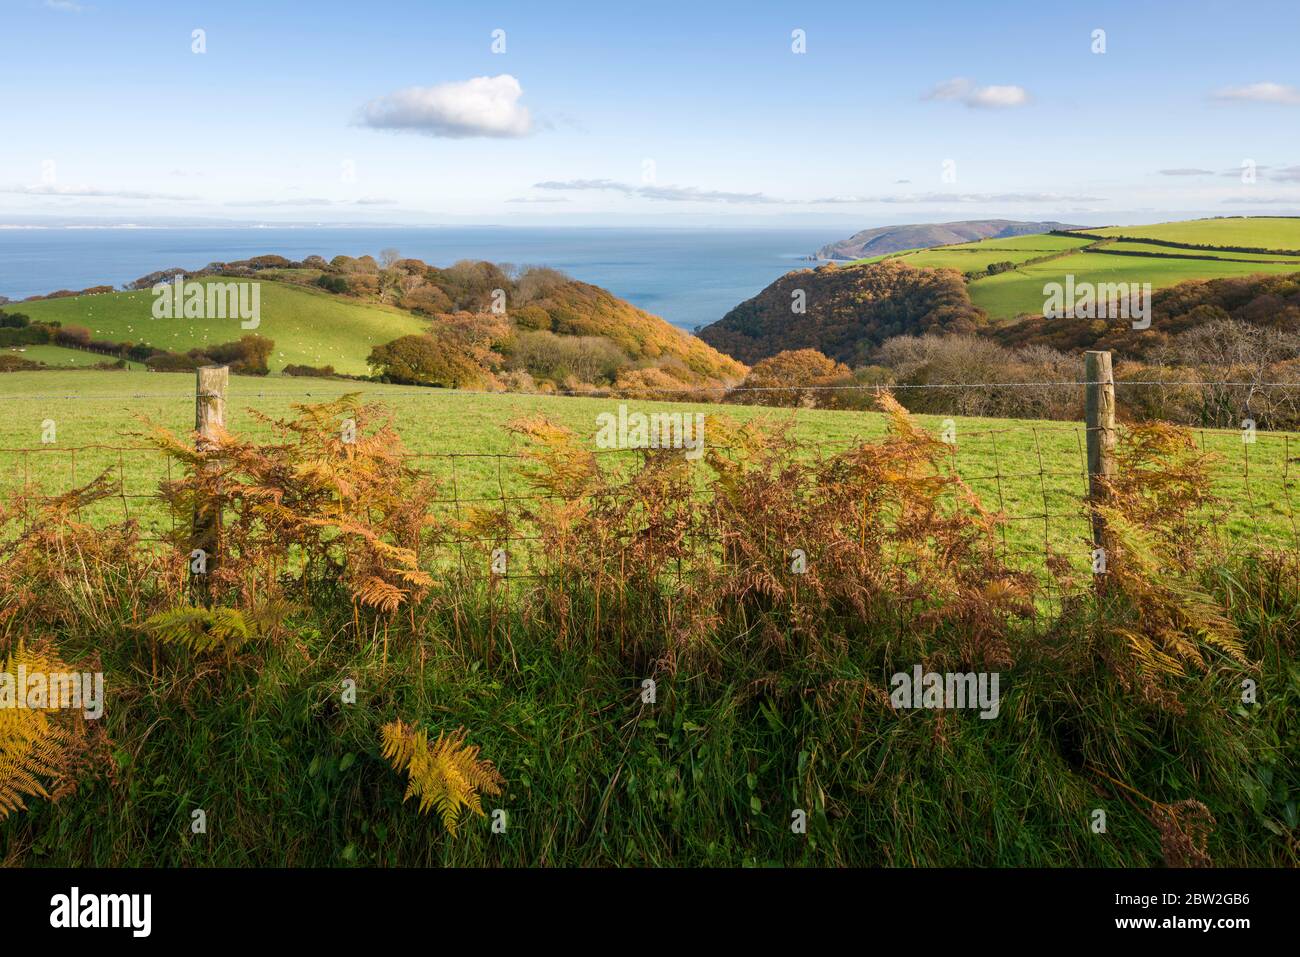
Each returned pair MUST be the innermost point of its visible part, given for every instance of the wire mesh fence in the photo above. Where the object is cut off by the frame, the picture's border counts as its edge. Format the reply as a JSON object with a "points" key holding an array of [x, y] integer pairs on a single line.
{"points": [[1034, 476]]}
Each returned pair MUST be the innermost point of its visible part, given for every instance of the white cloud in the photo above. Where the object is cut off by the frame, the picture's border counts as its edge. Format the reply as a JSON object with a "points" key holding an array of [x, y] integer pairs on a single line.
{"points": [[54, 189], [1264, 201], [482, 106], [694, 194], [978, 97], [304, 201], [313, 201], [1050, 198], [1287, 174], [953, 89], [65, 6], [1188, 171], [1261, 93], [997, 97], [669, 193]]}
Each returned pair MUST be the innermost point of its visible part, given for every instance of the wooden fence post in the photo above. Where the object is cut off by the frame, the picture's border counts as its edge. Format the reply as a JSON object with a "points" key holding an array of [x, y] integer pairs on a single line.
{"points": [[209, 419], [1099, 413]]}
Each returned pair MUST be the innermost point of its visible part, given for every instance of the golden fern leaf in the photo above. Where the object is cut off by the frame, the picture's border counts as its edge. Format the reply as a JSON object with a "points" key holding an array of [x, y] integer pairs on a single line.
{"points": [[901, 425], [31, 745], [267, 617], [446, 777], [1175, 614], [377, 593], [208, 629], [564, 468]]}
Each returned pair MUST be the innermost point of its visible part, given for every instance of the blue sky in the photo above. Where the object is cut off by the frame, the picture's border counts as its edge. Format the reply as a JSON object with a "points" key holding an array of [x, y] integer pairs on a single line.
{"points": [[645, 113]]}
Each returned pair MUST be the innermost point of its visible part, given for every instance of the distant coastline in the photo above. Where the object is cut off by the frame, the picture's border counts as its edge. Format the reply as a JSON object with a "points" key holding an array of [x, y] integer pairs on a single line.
{"points": [[688, 276]]}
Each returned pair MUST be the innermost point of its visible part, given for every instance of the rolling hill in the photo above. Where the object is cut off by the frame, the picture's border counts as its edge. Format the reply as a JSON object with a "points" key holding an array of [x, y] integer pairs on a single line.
{"points": [[1271, 232], [847, 311], [996, 287], [308, 326], [1162, 254], [891, 239], [470, 324]]}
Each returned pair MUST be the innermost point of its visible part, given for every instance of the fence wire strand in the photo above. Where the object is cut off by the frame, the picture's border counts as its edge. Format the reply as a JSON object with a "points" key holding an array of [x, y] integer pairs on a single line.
{"points": [[976, 458]]}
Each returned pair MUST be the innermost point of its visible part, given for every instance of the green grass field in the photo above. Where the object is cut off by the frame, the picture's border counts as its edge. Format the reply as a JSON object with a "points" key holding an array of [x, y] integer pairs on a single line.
{"points": [[1145, 248], [971, 256], [1266, 232], [309, 327], [1026, 469], [980, 254], [1019, 291], [58, 357], [1035, 243]]}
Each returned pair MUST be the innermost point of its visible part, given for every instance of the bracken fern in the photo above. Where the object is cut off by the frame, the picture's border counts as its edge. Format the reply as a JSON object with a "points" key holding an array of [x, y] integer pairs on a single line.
{"points": [[1155, 530], [447, 776], [32, 743], [215, 629]]}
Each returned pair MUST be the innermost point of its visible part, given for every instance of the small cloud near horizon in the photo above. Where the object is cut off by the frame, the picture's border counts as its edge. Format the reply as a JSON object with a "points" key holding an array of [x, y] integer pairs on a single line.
{"points": [[1284, 174], [1264, 201], [694, 194], [960, 198], [1277, 93], [667, 193], [312, 201], [88, 192]]}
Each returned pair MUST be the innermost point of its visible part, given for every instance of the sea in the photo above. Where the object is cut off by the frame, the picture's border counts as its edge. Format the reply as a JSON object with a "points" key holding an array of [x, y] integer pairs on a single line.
{"points": [[690, 277]]}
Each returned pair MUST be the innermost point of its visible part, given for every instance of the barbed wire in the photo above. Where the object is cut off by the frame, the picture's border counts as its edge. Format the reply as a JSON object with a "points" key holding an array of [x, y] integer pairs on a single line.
{"points": [[647, 392]]}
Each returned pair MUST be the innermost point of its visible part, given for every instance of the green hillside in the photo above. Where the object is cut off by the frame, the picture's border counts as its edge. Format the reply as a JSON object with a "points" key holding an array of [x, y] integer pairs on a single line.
{"points": [[968, 257], [1141, 247], [1019, 291], [1270, 232], [308, 326], [58, 357], [1204, 253]]}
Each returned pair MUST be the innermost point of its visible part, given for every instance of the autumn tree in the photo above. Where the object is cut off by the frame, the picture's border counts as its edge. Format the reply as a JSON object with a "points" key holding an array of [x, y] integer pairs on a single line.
{"points": [[791, 377], [432, 359]]}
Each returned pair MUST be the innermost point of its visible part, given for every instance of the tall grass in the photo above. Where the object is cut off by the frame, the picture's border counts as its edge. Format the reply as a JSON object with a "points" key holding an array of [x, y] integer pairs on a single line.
{"points": [[674, 687]]}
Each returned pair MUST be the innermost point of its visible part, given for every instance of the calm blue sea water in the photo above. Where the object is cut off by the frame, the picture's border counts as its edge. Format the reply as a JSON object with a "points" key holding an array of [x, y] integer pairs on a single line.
{"points": [[690, 277]]}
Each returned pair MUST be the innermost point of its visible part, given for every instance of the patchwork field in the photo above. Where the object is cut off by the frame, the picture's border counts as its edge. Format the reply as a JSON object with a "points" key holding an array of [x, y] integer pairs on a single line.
{"points": [[966, 257], [1267, 232], [1019, 291], [1133, 246]]}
